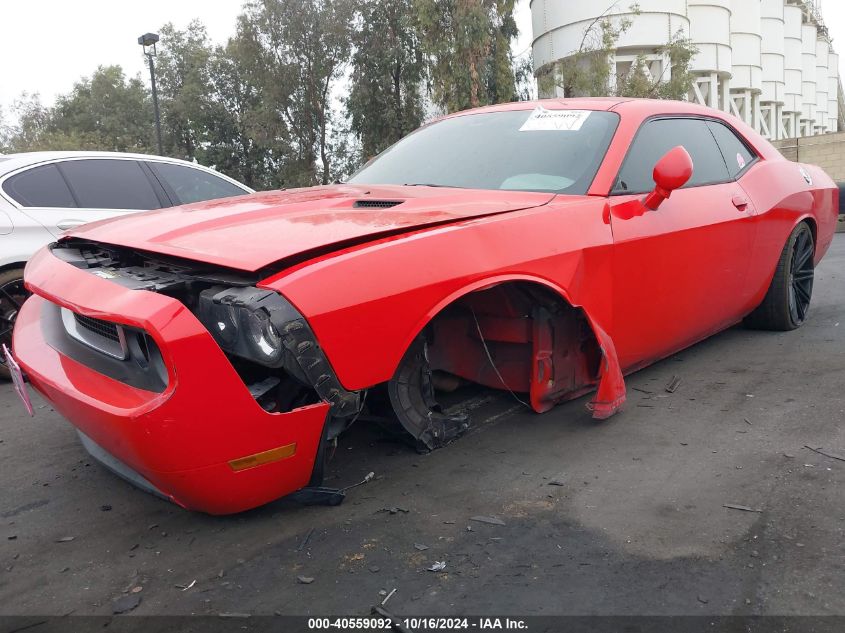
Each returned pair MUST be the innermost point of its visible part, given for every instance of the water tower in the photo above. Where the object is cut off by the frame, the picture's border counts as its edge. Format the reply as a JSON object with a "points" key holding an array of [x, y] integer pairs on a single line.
{"points": [[773, 57], [769, 62], [746, 42], [710, 28], [793, 99], [808, 78]]}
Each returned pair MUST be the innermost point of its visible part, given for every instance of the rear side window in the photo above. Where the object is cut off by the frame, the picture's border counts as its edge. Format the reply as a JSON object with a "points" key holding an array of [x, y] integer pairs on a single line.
{"points": [[110, 184], [736, 152], [193, 185], [656, 138], [39, 187]]}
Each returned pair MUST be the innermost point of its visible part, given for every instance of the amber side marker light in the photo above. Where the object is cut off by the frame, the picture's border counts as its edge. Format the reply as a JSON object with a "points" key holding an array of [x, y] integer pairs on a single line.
{"points": [[267, 457]]}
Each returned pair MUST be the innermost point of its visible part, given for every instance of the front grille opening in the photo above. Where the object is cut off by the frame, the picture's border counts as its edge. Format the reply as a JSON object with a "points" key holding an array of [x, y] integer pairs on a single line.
{"points": [[122, 352], [105, 329], [376, 204]]}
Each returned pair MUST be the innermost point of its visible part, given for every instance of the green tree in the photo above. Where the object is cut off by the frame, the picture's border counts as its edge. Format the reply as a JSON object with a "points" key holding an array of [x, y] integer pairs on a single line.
{"points": [[28, 132], [183, 76], [5, 133], [240, 143], [467, 45], [302, 48], [385, 101], [104, 112]]}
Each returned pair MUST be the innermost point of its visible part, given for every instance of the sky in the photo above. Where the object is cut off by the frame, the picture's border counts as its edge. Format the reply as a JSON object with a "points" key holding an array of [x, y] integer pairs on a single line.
{"points": [[47, 45]]}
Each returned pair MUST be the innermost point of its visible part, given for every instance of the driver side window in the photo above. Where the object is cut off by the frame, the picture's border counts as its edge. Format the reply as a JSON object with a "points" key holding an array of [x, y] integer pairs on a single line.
{"points": [[658, 136]]}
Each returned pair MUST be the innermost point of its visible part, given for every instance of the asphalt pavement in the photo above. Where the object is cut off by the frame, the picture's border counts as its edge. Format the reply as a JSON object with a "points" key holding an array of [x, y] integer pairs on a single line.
{"points": [[625, 516]]}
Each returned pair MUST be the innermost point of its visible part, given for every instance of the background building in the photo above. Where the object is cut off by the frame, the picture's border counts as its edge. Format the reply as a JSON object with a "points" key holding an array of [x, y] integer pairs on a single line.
{"points": [[769, 62]]}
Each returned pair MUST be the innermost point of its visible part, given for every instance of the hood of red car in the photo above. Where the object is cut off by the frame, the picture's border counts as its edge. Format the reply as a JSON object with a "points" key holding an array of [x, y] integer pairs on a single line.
{"points": [[251, 232]]}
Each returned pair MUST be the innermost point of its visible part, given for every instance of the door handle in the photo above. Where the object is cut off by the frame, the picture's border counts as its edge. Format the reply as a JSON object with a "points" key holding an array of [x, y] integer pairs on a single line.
{"points": [[740, 202], [64, 225]]}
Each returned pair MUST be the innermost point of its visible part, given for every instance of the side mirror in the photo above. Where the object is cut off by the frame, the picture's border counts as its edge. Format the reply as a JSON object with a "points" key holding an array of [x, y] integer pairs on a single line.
{"points": [[671, 172]]}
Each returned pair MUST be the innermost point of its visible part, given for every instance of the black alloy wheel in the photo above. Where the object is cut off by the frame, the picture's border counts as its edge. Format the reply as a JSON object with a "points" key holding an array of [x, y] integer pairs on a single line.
{"points": [[801, 277], [12, 295]]}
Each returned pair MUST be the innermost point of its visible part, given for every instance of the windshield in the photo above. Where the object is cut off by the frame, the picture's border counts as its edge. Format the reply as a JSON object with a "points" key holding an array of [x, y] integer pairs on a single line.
{"points": [[521, 150]]}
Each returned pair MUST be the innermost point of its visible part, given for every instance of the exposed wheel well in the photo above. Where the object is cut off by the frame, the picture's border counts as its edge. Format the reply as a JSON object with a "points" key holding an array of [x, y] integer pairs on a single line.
{"points": [[517, 336]]}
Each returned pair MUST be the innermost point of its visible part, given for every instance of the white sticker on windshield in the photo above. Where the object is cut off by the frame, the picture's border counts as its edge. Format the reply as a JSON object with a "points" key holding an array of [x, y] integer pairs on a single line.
{"points": [[554, 120]]}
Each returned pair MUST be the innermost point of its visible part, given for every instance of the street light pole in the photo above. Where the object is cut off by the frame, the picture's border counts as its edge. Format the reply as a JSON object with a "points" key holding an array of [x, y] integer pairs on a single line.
{"points": [[148, 41]]}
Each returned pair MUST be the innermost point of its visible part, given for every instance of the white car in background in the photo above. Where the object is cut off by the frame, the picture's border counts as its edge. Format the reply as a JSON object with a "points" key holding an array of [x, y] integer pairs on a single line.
{"points": [[45, 193]]}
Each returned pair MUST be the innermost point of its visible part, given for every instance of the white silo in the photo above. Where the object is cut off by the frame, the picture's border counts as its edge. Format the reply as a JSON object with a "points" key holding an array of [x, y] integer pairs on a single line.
{"points": [[822, 77], [833, 93], [710, 29], [747, 80], [792, 69], [768, 62], [808, 78], [560, 28], [773, 52]]}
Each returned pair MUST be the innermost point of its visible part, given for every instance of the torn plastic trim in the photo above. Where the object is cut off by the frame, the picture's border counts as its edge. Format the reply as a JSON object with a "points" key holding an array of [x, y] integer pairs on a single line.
{"points": [[297, 338], [611, 393]]}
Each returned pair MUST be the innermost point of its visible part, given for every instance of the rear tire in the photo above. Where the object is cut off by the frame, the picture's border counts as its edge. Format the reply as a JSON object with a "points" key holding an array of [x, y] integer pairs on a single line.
{"points": [[12, 296], [787, 301]]}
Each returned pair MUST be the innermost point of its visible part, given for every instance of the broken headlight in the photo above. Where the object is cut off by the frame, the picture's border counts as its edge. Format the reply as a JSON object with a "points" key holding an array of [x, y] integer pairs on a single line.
{"points": [[246, 322]]}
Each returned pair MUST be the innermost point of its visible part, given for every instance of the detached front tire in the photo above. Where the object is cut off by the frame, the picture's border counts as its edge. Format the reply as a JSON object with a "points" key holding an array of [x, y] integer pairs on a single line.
{"points": [[787, 301], [12, 296]]}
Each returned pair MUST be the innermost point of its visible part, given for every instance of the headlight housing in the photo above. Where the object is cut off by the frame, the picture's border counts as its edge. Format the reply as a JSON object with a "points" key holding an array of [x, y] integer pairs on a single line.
{"points": [[246, 322], [262, 326]]}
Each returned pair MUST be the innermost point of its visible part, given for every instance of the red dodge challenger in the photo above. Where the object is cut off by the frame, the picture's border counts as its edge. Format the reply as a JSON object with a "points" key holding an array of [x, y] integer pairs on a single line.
{"points": [[210, 352]]}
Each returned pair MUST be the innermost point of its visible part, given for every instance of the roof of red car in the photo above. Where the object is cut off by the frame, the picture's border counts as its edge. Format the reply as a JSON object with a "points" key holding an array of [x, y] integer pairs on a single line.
{"points": [[637, 109]]}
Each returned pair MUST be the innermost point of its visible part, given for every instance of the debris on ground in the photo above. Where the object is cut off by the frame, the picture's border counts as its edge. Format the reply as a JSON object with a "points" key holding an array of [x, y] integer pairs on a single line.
{"points": [[825, 453], [489, 520], [304, 542], [105, 508], [388, 596], [734, 506], [747, 421], [126, 603], [673, 384], [437, 566], [394, 510], [365, 480], [304, 580], [65, 539], [420, 547], [374, 569], [186, 587], [642, 390], [557, 481], [702, 599]]}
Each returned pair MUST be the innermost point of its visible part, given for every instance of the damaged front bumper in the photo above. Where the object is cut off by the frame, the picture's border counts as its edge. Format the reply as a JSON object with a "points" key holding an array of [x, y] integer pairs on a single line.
{"points": [[197, 436]]}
